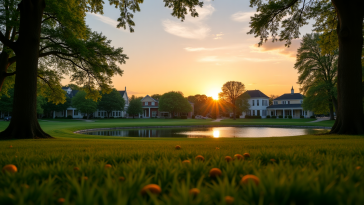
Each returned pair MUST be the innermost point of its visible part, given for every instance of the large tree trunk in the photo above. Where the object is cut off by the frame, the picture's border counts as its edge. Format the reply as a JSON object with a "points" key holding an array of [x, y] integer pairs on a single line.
{"points": [[350, 119], [24, 123], [4, 57]]}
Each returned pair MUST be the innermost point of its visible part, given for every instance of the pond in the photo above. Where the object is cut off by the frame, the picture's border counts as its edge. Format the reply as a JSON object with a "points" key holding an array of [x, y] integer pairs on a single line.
{"points": [[209, 132]]}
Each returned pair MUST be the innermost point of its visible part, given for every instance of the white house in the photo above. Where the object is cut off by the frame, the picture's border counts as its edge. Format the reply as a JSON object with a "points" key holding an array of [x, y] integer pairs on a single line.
{"points": [[258, 104], [99, 113], [289, 104]]}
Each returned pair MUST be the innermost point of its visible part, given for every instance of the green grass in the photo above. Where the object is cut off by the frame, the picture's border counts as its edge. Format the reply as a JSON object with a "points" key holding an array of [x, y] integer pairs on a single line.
{"points": [[313, 169]]}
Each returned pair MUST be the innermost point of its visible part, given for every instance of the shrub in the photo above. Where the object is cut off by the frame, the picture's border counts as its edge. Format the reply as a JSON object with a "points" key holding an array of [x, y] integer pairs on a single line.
{"points": [[274, 117], [302, 116], [176, 117], [290, 116], [281, 116], [268, 116], [69, 117], [253, 117], [193, 117], [84, 117], [183, 117], [313, 117], [237, 116], [285, 116]]}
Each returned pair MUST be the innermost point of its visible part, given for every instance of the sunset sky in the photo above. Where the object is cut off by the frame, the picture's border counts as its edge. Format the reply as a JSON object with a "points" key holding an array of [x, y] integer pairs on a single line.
{"points": [[199, 55]]}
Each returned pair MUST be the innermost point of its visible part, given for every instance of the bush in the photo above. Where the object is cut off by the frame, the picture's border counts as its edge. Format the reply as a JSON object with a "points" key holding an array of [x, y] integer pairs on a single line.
{"points": [[176, 117], [302, 116], [183, 117], [237, 116], [281, 116], [193, 117], [290, 116], [69, 117], [313, 117], [274, 117], [285, 116], [253, 117], [84, 117], [268, 116]]}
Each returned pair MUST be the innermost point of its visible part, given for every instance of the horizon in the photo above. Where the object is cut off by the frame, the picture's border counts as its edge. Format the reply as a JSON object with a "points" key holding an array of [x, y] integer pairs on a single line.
{"points": [[199, 55]]}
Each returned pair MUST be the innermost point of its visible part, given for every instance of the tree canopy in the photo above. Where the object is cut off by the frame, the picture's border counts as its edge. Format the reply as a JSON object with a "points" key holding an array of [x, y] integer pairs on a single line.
{"points": [[135, 106], [112, 101], [317, 75], [84, 105], [174, 102], [231, 91]]}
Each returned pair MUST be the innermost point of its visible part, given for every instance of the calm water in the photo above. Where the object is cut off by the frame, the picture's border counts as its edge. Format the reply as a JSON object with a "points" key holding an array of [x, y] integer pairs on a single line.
{"points": [[210, 132]]}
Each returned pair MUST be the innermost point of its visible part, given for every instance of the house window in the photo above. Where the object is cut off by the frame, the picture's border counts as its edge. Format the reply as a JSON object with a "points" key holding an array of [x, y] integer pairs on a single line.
{"points": [[289, 102], [152, 103], [264, 113], [257, 102], [276, 102], [154, 113], [258, 112], [75, 112], [253, 103], [253, 112]]}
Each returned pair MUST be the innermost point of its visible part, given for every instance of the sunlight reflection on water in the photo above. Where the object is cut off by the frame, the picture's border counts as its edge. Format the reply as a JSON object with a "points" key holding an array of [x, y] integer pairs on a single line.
{"points": [[215, 132]]}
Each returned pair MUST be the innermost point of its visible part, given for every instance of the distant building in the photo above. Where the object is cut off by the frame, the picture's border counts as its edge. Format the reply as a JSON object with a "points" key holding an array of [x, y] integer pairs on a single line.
{"points": [[151, 109], [99, 113], [258, 102], [289, 104]]}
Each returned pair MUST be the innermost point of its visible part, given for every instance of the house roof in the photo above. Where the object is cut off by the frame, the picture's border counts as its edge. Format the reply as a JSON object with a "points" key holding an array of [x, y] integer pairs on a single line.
{"points": [[73, 93], [149, 97], [122, 92], [288, 106], [256, 94], [289, 96], [65, 88]]}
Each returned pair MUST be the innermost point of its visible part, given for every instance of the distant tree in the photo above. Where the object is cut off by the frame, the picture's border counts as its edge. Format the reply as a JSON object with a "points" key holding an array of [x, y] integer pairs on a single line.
{"points": [[84, 105], [242, 103], [49, 107], [174, 102], [6, 101], [40, 102], [317, 73], [156, 96], [200, 103], [135, 106], [271, 99], [111, 101], [231, 91], [317, 99]]}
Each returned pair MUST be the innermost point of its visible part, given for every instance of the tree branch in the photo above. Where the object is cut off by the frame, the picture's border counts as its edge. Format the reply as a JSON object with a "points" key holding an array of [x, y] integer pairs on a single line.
{"points": [[7, 42]]}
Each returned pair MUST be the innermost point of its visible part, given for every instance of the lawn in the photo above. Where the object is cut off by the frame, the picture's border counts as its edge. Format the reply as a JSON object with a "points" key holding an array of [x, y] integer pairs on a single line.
{"points": [[313, 169]]}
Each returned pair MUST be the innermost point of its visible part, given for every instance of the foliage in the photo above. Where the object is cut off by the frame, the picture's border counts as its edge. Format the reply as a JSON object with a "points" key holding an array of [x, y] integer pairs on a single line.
{"points": [[271, 99], [253, 117], [231, 91], [202, 104], [156, 96], [135, 106], [242, 103], [6, 102], [40, 102], [49, 106], [112, 101], [84, 105], [174, 102], [317, 74]]}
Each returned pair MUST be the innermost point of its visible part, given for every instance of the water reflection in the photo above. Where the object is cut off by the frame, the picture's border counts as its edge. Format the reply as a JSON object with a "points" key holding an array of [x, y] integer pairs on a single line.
{"points": [[215, 132]]}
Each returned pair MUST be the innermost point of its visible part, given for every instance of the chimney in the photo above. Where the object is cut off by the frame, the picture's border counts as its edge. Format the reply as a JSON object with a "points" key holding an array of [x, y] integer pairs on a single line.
{"points": [[125, 88], [292, 90]]}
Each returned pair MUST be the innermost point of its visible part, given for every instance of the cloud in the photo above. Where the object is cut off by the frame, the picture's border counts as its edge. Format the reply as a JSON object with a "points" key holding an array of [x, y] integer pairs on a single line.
{"points": [[192, 28], [278, 48], [218, 36], [104, 19], [232, 59], [242, 16], [195, 49], [177, 29]]}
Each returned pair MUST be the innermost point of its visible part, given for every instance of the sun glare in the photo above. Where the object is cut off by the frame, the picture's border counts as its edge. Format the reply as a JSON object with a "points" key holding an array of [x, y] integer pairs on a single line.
{"points": [[215, 96]]}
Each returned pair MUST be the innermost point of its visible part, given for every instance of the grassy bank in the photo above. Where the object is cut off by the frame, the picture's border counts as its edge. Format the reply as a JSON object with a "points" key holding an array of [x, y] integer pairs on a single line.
{"points": [[309, 169]]}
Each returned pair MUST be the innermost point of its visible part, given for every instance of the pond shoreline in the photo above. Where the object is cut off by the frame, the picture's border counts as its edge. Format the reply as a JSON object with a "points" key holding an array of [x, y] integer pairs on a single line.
{"points": [[196, 126]]}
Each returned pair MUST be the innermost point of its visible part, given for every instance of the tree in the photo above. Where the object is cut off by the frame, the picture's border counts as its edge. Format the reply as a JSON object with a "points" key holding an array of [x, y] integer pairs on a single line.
{"points": [[40, 102], [135, 106], [33, 28], [49, 107], [156, 96], [231, 91], [111, 101], [317, 100], [317, 75], [174, 102], [348, 21], [242, 103], [84, 105]]}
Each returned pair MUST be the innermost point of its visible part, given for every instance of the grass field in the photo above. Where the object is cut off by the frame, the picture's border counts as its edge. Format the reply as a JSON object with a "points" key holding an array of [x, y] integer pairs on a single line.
{"points": [[319, 169]]}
